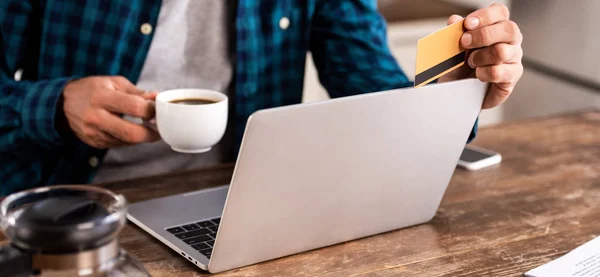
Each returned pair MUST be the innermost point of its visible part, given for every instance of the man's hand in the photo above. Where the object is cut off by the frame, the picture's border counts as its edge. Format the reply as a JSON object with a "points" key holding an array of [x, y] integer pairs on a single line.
{"points": [[493, 44], [92, 107]]}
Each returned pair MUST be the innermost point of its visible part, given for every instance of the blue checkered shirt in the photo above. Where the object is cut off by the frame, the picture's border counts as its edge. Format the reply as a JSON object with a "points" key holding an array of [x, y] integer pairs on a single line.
{"points": [[53, 41]]}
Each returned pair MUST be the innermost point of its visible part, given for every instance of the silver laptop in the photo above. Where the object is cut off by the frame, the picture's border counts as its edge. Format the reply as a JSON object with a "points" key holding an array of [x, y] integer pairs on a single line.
{"points": [[313, 175]]}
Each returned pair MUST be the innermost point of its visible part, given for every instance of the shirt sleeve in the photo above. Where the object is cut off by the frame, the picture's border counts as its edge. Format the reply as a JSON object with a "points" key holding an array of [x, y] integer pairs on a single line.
{"points": [[349, 46], [348, 43], [27, 108]]}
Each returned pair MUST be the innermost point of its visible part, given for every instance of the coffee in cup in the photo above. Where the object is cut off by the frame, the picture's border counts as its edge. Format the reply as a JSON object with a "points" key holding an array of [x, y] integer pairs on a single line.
{"points": [[193, 101], [191, 120]]}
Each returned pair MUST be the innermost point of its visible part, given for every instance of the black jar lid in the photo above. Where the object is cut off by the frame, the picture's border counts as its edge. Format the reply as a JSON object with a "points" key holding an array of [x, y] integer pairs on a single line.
{"points": [[63, 224]]}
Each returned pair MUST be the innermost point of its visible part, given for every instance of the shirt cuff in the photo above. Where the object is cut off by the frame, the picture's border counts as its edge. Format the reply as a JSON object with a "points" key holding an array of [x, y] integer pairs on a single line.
{"points": [[39, 108], [473, 131]]}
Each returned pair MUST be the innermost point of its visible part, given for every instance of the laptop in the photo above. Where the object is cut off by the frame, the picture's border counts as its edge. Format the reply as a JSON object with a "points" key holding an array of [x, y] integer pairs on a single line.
{"points": [[317, 174]]}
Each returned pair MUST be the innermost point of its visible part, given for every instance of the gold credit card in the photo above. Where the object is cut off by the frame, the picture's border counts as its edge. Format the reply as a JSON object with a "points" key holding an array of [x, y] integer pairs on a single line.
{"points": [[439, 53]]}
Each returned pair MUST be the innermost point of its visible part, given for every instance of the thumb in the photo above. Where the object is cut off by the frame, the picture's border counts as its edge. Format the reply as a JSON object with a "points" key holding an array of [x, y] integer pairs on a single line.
{"points": [[454, 18]]}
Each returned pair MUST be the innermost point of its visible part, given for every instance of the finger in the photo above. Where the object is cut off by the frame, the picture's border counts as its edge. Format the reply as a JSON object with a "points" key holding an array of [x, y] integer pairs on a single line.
{"points": [[126, 131], [123, 84], [105, 140], [496, 95], [502, 32], [454, 18], [502, 74], [96, 138], [151, 95], [503, 78], [496, 54], [134, 90], [133, 105], [487, 16]]}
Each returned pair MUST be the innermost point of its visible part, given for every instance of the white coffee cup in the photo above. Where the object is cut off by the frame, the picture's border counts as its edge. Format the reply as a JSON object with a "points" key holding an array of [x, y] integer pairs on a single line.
{"points": [[191, 128]]}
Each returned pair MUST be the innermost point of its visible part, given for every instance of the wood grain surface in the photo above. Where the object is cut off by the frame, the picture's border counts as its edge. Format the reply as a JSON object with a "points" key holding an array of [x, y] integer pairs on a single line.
{"points": [[542, 201]]}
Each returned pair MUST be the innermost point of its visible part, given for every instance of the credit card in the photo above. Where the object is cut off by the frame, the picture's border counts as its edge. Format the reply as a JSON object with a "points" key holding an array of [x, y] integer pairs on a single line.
{"points": [[439, 53]]}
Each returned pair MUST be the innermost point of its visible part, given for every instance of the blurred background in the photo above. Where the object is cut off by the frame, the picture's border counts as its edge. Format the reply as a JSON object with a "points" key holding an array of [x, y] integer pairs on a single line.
{"points": [[561, 46]]}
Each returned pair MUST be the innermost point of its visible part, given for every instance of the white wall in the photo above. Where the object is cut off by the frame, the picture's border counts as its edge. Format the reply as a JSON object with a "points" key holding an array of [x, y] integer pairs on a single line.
{"points": [[561, 35], [539, 95], [478, 3]]}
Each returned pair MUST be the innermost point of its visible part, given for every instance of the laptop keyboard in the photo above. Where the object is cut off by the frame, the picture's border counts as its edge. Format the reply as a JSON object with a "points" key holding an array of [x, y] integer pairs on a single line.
{"points": [[200, 235]]}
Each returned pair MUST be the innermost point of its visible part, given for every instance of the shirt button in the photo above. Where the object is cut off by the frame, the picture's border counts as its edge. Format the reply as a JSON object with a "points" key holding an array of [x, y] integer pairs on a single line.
{"points": [[284, 23], [93, 161], [146, 28]]}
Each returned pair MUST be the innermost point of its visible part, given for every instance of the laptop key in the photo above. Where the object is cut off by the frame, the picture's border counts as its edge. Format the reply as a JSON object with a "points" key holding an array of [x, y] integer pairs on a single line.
{"points": [[217, 221], [210, 242], [206, 252], [191, 227], [205, 224], [175, 230], [201, 246], [197, 239], [192, 234], [214, 228]]}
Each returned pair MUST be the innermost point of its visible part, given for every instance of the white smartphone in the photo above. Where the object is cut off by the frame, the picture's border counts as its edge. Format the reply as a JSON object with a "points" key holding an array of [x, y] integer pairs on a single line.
{"points": [[474, 158]]}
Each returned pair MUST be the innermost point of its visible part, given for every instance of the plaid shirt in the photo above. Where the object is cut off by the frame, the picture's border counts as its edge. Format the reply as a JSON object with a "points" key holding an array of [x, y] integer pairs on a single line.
{"points": [[53, 41]]}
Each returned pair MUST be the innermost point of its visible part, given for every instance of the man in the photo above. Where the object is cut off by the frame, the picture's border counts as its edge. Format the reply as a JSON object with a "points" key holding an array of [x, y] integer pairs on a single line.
{"points": [[81, 59]]}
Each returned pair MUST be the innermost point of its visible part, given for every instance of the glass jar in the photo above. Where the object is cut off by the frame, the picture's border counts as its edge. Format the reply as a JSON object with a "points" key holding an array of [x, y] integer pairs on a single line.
{"points": [[65, 231]]}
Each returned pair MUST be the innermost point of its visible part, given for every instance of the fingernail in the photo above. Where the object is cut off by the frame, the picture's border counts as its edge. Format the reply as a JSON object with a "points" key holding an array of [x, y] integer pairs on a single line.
{"points": [[470, 61], [466, 39], [472, 22]]}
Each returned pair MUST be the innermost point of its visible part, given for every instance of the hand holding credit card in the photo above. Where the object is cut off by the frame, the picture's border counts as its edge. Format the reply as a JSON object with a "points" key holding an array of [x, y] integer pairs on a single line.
{"points": [[439, 53]]}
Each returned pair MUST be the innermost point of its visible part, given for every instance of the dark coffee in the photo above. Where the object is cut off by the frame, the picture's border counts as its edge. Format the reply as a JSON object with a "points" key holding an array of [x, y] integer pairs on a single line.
{"points": [[193, 101]]}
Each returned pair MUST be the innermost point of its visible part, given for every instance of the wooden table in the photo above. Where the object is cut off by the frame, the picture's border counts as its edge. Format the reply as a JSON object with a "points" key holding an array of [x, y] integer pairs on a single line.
{"points": [[542, 201]]}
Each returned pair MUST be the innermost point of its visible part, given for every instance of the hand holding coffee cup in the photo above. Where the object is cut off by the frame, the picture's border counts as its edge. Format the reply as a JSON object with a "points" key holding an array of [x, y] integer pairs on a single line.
{"points": [[191, 120], [92, 106]]}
